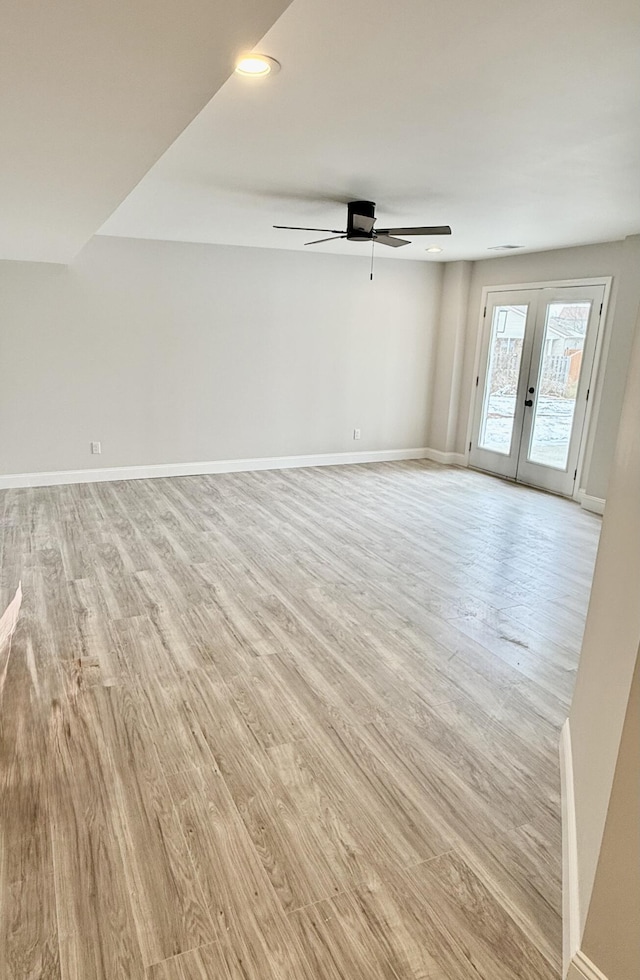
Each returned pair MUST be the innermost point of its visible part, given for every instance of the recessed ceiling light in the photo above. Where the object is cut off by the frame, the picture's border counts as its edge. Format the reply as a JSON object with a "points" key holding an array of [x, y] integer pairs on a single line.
{"points": [[503, 248], [434, 248], [256, 65]]}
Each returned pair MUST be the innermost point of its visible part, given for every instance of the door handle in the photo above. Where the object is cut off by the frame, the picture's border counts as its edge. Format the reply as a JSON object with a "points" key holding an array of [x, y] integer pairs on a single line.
{"points": [[529, 402]]}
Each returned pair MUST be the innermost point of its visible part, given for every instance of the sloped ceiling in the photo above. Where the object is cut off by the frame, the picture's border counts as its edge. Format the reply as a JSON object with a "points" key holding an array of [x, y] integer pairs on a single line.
{"points": [[92, 92]]}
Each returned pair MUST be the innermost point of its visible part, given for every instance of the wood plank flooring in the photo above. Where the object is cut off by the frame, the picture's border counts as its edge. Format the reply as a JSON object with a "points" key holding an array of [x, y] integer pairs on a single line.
{"points": [[294, 725]]}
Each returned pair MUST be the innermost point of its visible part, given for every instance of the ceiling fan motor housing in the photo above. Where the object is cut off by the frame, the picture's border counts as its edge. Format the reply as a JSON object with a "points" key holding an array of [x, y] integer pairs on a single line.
{"points": [[355, 230]]}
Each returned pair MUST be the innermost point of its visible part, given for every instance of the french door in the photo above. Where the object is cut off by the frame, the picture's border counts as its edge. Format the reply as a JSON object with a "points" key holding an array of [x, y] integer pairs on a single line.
{"points": [[533, 383]]}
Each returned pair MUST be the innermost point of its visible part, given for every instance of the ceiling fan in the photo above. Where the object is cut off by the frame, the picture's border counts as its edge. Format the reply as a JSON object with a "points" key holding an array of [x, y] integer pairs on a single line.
{"points": [[361, 217]]}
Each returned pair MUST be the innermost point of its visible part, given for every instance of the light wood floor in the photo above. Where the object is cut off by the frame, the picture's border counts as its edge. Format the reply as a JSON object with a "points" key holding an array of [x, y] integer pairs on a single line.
{"points": [[287, 725]]}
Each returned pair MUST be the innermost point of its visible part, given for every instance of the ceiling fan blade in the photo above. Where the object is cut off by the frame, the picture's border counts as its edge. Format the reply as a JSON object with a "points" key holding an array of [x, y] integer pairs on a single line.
{"points": [[426, 230], [388, 240], [362, 222], [334, 231], [319, 240]]}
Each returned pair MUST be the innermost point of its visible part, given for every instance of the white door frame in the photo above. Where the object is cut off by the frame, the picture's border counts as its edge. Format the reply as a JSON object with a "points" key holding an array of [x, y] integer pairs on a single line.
{"points": [[597, 372]]}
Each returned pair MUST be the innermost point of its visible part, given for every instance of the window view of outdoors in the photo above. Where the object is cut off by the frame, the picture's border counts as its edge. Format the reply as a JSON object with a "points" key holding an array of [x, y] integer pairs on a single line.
{"points": [[564, 336], [503, 369], [556, 388]]}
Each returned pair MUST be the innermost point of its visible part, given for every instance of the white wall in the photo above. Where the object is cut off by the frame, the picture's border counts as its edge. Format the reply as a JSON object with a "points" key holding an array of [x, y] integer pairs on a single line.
{"points": [[177, 353], [600, 708], [618, 259], [171, 352], [446, 387], [612, 930], [623, 318]]}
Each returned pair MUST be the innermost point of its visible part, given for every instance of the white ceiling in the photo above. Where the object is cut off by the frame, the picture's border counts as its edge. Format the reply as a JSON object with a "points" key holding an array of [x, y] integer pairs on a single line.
{"points": [[91, 94], [515, 122]]}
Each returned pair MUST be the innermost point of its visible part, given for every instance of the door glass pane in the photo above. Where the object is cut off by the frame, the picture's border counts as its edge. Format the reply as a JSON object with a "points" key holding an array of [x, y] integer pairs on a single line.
{"points": [[503, 370], [565, 331]]}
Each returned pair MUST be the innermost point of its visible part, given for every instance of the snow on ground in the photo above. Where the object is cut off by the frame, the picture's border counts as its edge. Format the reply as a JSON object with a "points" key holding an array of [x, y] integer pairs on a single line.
{"points": [[551, 431]]}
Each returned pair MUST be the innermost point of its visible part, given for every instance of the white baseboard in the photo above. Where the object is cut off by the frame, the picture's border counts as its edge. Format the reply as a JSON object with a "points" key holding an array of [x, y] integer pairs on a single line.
{"points": [[594, 504], [582, 968], [108, 474], [570, 891], [447, 459]]}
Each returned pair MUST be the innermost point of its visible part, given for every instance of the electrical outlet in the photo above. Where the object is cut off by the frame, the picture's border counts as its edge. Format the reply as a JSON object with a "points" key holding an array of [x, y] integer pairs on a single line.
{"points": [[356, 433], [96, 448]]}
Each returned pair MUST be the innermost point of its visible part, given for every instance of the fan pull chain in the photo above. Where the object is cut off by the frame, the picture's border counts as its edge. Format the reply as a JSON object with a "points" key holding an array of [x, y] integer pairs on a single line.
{"points": [[373, 241]]}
